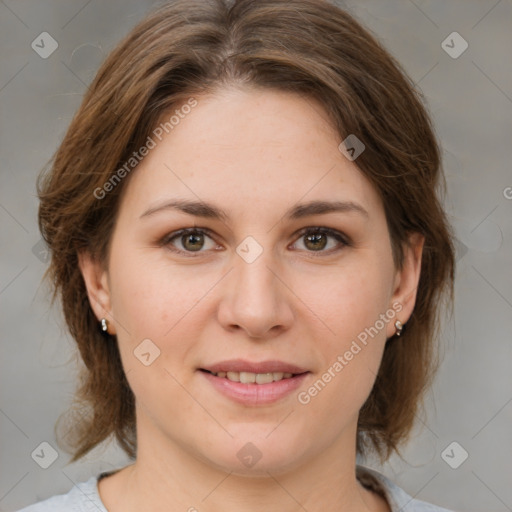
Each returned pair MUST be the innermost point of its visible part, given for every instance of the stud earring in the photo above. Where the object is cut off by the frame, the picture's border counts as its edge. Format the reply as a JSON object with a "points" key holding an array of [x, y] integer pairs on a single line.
{"points": [[399, 326], [104, 325]]}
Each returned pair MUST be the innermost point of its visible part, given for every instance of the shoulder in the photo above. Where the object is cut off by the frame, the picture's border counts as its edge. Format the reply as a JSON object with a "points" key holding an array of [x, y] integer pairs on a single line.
{"points": [[398, 499], [82, 497]]}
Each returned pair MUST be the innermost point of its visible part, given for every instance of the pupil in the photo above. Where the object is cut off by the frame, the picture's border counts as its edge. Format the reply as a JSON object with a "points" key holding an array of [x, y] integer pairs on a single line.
{"points": [[194, 239], [315, 238]]}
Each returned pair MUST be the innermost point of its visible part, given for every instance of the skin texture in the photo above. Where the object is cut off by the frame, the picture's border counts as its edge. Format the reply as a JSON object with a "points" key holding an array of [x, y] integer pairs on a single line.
{"points": [[255, 154]]}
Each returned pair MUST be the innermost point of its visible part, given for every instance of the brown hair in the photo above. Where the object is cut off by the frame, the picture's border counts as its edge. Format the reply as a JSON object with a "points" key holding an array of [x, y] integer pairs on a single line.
{"points": [[192, 47]]}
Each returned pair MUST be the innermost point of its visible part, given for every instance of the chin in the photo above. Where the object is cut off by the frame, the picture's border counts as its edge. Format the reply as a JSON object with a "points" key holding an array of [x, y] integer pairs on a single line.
{"points": [[257, 457]]}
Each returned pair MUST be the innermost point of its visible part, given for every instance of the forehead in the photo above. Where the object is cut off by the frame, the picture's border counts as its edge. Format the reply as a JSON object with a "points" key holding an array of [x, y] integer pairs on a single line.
{"points": [[249, 150]]}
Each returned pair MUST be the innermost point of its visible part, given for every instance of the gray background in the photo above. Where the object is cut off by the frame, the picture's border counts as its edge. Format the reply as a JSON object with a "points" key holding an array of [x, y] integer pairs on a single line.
{"points": [[470, 98]]}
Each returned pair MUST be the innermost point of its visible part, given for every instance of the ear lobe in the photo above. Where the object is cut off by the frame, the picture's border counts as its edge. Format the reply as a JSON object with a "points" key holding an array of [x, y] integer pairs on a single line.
{"points": [[96, 282], [407, 279]]}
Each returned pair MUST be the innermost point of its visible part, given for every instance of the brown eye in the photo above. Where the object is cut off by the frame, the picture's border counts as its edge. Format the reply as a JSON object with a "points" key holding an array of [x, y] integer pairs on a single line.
{"points": [[317, 239], [192, 240]]}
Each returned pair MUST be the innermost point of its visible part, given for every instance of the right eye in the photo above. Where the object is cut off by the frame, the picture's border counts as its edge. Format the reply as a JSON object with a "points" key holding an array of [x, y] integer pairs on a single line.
{"points": [[191, 239]]}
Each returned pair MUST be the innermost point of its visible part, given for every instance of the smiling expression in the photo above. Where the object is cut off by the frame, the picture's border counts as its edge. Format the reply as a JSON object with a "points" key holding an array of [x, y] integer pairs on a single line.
{"points": [[287, 259]]}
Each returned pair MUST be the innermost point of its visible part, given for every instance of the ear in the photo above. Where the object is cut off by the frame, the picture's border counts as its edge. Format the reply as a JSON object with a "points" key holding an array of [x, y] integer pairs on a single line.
{"points": [[406, 281], [98, 290]]}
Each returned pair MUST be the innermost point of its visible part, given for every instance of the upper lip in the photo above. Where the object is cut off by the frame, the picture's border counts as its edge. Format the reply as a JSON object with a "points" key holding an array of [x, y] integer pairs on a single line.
{"points": [[240, 365]]}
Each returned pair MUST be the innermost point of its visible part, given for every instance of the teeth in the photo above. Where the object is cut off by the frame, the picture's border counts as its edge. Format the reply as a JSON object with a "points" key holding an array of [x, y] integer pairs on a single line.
{"points": [[254, 378], [264, 378], [234, 376]]}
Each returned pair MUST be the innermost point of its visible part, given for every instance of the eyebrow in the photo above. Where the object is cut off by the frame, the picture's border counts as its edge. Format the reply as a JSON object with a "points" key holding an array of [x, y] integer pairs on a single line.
{"points": [[210, 211]]}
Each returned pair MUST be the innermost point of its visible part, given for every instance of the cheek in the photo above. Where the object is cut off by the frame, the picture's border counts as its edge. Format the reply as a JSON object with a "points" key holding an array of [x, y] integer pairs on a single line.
{"points": [[154, 311], [348, 304], [150, 295], [350, 299], [153, 299]]}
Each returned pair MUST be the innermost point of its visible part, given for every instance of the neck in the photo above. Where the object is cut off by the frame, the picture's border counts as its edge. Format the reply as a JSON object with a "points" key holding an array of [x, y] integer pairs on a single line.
{"points": [[174, 479]]}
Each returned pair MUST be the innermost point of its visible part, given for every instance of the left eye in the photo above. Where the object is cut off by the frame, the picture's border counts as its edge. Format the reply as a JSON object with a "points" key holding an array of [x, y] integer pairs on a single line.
{"points": [[193, 240], [316, 238]]}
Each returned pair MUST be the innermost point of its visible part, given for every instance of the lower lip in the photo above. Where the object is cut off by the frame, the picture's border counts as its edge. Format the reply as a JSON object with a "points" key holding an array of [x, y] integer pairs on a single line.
{"points": [[255, 394]]}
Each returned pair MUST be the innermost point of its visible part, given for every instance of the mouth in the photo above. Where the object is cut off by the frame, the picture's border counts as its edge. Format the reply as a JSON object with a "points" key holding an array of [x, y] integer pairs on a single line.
{"points": [[254, 384], [253, 378]]}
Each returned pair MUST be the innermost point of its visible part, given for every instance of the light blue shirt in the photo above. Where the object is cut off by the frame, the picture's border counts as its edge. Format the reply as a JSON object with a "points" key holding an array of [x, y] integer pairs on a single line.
{"points": [[84, 496]]}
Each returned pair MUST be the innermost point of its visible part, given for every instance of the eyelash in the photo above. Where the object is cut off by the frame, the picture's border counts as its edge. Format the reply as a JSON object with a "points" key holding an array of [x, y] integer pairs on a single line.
{"points": [[341, 238]]}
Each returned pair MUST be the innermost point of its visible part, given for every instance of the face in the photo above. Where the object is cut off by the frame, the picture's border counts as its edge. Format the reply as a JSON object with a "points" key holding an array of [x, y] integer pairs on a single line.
{"points": [[270, 288]]}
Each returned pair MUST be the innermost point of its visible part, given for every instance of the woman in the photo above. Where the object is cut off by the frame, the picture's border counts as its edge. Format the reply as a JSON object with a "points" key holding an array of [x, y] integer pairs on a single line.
{"points": [[252, 258]]}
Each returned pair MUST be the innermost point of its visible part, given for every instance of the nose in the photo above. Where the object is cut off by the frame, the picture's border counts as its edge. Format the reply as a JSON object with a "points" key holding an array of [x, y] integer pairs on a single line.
{"points": [[256, 298]]}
